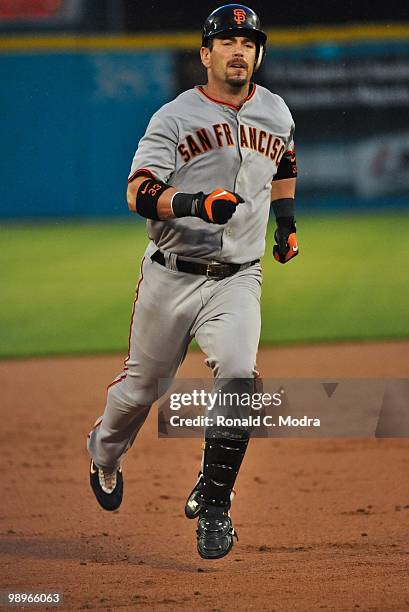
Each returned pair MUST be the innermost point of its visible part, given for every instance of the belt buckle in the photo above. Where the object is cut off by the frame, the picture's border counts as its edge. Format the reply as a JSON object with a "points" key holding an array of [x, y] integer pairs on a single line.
{"points": [[213, 269]]}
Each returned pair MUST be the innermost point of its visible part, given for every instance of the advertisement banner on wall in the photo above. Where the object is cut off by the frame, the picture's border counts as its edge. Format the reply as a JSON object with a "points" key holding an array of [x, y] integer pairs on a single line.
{"points": [[372, 167]]}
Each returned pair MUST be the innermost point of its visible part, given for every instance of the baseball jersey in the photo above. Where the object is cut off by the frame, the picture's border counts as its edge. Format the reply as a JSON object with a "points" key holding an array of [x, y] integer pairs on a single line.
{"points": [[196, 143]]}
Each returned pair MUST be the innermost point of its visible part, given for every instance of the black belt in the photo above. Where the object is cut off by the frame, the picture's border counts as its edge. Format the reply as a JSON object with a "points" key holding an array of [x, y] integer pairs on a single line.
{"points": [[214, 269]]}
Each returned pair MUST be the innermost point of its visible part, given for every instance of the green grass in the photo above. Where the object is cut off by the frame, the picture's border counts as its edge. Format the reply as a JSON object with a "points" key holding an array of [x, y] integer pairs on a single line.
{"points": [[69, 287], [350, 281]]}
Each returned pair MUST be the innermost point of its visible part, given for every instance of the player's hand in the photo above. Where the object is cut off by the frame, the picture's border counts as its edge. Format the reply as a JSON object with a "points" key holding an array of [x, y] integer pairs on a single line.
{"points": [[286, 239], [218, 206]]}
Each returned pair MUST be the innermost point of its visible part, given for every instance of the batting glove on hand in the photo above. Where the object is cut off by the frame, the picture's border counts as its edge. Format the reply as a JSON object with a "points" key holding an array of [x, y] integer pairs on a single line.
{"points": [[218, 206], [286, 239]]}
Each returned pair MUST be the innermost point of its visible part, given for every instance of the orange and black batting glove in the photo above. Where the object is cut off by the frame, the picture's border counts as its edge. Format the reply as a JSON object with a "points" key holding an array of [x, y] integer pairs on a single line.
{"points": [[216, 207], [286, 246]]}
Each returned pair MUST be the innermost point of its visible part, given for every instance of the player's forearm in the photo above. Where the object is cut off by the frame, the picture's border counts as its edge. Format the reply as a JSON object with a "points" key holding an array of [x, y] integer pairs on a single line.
{"points": [[285, 188], [164, 204], [154, 199], [283, 198]]}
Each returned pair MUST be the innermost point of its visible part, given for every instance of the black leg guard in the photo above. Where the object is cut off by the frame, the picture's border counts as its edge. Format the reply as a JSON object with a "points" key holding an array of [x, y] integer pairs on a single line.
{"points": [[224, 452], [195, 499]]}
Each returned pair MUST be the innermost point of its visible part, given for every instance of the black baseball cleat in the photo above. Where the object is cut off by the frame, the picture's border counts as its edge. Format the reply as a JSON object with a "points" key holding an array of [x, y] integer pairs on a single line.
{"points": [[215, 533], [194, 503], [108, 487]]}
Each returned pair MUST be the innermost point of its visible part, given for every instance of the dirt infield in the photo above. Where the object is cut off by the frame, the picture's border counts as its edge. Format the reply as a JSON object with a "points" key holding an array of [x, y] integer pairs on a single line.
{"points": [[323, 524]]}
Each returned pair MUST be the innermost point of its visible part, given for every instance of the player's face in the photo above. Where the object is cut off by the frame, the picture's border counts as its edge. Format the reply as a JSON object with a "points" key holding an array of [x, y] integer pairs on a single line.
{"points": [[232, 60]]}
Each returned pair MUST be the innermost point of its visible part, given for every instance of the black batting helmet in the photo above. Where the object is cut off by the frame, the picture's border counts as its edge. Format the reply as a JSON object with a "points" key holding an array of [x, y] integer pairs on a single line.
{"points": [[235, 19]]}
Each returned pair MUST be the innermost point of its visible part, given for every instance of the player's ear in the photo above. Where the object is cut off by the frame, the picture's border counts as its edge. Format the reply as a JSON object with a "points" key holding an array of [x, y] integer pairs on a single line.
{"points": [[205, 56]]}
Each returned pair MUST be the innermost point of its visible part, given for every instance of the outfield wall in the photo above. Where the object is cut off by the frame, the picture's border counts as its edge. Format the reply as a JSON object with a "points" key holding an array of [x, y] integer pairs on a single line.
{"points": [[74, 108], [69, 127]]}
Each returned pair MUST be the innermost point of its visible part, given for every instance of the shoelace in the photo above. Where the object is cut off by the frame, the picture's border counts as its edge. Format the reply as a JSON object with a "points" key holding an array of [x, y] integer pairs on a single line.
{"points": [[107, 480]]}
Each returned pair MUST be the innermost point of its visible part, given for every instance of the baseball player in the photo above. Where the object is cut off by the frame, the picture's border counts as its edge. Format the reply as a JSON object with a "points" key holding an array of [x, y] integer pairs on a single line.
{"points": [[204, 175]]}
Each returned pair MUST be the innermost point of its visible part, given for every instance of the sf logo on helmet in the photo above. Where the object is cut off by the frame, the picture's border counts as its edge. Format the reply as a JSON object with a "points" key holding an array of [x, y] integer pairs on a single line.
{"points": [[239, 16]]}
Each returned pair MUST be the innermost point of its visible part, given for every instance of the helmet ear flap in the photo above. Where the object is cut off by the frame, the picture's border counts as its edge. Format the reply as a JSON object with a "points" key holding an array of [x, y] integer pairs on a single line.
{"points": [[261, 50]]}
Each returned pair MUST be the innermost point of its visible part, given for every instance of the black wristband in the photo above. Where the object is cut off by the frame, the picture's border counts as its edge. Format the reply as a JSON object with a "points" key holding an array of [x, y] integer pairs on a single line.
{"points": [[285, 207], [147, 198], [286, 223], [185, 204]]}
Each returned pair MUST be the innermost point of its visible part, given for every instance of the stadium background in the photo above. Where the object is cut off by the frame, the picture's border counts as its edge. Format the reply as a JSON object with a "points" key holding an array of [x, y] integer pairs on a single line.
{"points": [[80, 82], [322, 523]]}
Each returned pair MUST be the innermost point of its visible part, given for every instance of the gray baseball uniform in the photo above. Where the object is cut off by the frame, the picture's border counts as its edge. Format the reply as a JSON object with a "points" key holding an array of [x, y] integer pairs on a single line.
{"points": [[197, 143]]}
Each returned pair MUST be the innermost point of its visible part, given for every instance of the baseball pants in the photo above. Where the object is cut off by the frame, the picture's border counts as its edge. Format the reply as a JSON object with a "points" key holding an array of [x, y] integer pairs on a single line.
{"points": [[170, 309]]}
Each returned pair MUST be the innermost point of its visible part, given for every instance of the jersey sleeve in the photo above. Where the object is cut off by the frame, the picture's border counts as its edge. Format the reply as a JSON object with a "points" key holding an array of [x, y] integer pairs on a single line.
{"points": [[287, 167], [156, 152]]}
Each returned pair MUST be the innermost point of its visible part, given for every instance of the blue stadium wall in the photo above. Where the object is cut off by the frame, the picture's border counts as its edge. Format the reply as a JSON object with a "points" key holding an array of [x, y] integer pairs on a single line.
{"points": [[70, 124], [74, 109]]}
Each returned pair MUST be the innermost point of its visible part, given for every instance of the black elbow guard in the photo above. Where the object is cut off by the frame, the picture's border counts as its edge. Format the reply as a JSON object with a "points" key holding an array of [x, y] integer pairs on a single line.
{"points": [[147, 198], [287, 168]]}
